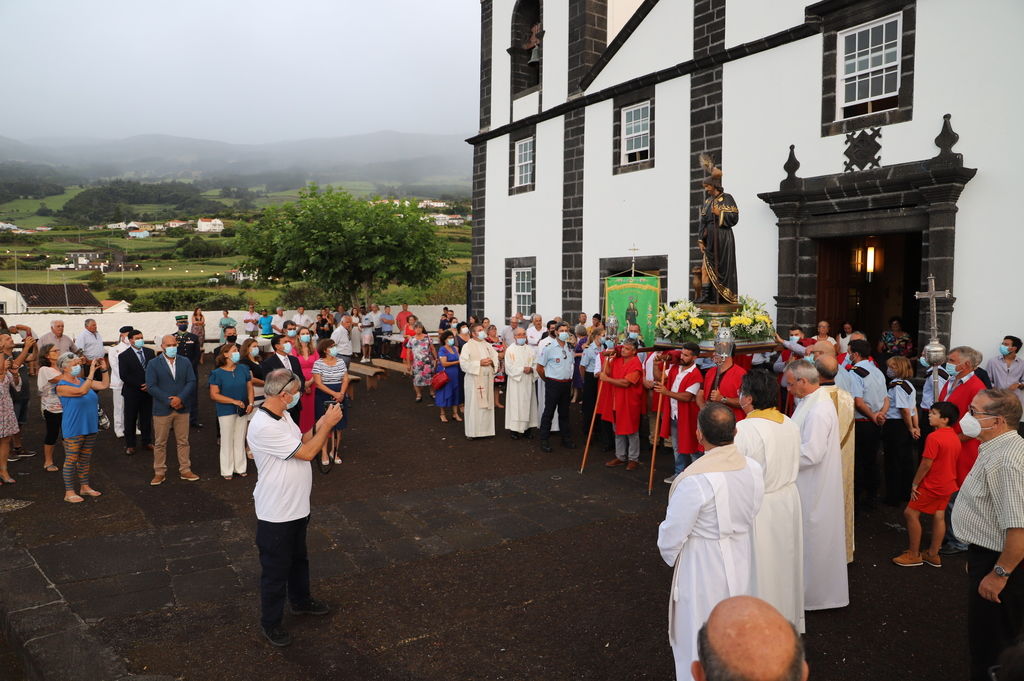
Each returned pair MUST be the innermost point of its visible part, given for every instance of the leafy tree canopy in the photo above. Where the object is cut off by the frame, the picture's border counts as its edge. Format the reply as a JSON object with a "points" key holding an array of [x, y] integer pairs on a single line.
{"points": [[342, 245]]}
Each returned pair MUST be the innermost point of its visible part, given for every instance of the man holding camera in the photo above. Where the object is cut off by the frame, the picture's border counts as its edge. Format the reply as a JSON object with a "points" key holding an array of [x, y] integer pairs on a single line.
{"points": [[282, 454]]}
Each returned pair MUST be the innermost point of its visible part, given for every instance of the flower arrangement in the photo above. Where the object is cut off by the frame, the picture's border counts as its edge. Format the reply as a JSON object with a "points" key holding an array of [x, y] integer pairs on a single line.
{"points": [[752, 322], [682, 322]]}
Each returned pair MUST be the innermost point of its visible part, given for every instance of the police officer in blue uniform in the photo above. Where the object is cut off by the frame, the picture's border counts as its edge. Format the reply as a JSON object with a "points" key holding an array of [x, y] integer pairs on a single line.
{"points": [[867, 386], [555, 366]]}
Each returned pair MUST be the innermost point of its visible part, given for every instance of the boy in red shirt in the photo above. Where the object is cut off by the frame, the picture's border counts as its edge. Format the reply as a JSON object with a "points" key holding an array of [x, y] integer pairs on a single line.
{"points": [[935, 480]]}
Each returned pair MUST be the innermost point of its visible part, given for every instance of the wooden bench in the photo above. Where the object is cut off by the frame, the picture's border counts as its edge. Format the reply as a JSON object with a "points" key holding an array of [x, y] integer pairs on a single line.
{"points": [[351, 392], [391, 364], [371, 373]]}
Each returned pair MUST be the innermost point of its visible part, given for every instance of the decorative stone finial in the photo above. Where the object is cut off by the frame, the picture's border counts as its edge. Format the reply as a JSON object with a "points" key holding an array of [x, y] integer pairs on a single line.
{"points": [[945, 141], [791, 166]]}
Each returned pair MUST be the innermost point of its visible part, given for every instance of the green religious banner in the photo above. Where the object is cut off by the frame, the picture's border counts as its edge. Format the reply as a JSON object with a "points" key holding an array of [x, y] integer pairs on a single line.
{"points": [[633, 300]]}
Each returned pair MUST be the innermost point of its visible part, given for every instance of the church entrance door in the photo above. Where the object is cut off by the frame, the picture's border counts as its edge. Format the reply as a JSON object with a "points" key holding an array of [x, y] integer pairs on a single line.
{"points": [[866, 280]]}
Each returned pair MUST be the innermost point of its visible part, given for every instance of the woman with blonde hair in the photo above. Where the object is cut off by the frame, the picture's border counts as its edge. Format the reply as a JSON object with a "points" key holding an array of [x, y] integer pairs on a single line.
{"points": [[900, 429]]}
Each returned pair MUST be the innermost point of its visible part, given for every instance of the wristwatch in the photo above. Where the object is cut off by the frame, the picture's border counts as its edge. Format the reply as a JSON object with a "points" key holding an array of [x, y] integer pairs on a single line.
{"points": [[1000, 572]]}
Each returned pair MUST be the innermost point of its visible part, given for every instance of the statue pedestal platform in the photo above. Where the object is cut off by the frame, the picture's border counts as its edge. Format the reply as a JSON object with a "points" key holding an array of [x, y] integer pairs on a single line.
{"points": [[717, 315]]}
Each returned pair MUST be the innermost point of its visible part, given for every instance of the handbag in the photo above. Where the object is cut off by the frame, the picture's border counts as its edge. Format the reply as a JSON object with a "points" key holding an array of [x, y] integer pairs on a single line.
{"points": [[439, 380]]}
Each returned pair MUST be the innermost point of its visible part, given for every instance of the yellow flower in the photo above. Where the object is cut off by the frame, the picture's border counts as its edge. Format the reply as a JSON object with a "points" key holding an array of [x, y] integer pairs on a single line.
{"points": [[684, 315], [697, 321], [763, 319]]}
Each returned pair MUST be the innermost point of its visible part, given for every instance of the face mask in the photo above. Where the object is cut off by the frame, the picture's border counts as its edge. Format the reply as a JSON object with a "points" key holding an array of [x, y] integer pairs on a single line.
{"points": [[809, 359], [609, 344], [235, 356], [76, 370], [139, 342], [950, 368], [291, 333], [292, 402], [634, 335], [890, 372], [182, 327], [1004, 350], [333, 352], [287, 348], [171, 352], [520, 341], [970, 426], [924, 362], [449, 341], [794, 339], [254, 350], [563, 336], [230, 339], [304, 338], [481, 335]]}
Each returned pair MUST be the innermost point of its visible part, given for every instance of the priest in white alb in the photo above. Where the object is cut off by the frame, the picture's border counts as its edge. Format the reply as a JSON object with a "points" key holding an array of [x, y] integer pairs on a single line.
{"points": [[829, 373], [707, 530], [478, 360], [770, 438], [521, 411], [821, 491]]}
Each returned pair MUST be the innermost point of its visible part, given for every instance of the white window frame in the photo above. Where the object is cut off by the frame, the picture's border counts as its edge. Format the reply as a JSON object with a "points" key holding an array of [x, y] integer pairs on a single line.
{"points": [[629, 136], [527, 297], [871, 70], [526, 158]]}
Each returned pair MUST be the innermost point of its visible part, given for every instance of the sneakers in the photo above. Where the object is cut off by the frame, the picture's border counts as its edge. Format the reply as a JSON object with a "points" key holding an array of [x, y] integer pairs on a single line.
{"points": [[22, 453], [615, 462], [952, 549], [670, 479], [311, 607], [932, 559], [632, 465], [157, 480], [190, 476], [907, 559], [277, 637]]}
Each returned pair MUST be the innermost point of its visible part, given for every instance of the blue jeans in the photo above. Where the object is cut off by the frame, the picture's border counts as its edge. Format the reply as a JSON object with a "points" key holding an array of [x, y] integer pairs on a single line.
{"points": [[682, 460], [950, 537]]}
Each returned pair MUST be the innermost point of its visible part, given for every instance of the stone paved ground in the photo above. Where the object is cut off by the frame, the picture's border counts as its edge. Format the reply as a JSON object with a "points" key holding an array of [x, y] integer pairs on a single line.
{"points": [[443, 559]]}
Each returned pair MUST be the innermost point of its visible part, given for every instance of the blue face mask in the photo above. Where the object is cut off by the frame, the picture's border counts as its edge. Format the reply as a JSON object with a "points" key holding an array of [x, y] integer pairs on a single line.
{"points": [[609, 344], [449, 341], [950, 368], [333, 352], [292, 402], [924, 362], [291, 333], [182, 327], [304, 338], [254, 350], [235, 356], [287, 348], [1004, 350], [794, 339], [171, 352], [634, 335], [563, 336], [76, 370], [520, 341], [809, 359], [139, 342]]}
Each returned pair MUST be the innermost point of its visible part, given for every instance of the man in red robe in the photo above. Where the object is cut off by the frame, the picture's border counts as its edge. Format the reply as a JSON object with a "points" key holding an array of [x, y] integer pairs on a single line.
{"points": [[960, 389], [725, 390], [678, 386], [624, 375]]}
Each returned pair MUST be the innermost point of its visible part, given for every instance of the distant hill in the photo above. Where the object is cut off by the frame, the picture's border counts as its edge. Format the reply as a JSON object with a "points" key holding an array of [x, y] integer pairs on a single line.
{"points": [[383, 158]]}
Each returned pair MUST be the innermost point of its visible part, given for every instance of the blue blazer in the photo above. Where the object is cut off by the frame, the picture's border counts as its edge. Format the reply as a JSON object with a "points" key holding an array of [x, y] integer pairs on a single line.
{"points": [[162, 386]]}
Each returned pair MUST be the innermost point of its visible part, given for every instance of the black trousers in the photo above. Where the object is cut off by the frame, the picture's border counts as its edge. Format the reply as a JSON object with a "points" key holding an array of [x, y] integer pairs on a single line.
{"points": [[285, 567], [556, 396], [138, 409], [991, 627], [589, 403], [865, 453], [897, 461]]}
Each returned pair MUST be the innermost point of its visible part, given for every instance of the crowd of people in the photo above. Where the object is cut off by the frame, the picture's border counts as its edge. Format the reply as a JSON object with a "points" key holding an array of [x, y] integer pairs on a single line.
{"points": [[774, 453]]}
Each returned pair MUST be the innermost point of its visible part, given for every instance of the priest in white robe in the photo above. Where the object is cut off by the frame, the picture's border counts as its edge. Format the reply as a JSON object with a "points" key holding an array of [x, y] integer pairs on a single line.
{"points": [[842, 400], [521, 410], [478, 360], [820, 483], [770, 438], [707, 530]]}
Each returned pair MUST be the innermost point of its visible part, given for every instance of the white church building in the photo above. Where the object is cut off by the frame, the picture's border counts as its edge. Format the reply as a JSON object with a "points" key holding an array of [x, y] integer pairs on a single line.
{"points": [[867, 144]]}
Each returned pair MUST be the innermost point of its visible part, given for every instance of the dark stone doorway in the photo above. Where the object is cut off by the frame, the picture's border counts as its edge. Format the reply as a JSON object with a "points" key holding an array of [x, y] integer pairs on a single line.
{"points": [[847, 292]]}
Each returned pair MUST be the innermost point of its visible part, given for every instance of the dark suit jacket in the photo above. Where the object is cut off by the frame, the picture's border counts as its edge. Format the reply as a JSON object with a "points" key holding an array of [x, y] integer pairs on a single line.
{"points": [[133, 374], [274, 362], [162, 386]]}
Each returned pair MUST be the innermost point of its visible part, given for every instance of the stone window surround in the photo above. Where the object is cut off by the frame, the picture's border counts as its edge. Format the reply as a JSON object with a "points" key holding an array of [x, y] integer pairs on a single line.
{"points": [[517, 136], [514, 264], [621, 102]]}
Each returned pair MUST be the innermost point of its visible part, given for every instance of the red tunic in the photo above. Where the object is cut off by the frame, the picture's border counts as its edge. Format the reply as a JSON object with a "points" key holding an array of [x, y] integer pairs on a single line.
{"points": [[604, 398], [628, 404], [962, 398], [686, 415], [729, 387]]}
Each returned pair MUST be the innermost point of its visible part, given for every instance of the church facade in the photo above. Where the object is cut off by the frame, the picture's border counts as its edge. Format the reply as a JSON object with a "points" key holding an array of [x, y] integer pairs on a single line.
{"points": [[867, 143]]}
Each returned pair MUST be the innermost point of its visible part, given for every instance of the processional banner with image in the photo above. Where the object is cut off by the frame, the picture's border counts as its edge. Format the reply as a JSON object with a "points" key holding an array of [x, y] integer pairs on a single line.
{"points": [[633, 300]]}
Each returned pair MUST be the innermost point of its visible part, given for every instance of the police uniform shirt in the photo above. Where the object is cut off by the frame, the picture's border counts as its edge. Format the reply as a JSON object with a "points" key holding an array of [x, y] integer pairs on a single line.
{"points": [[589, 359], [928, 392], [188, 345], [867, 383], [558, 361], [902, 395]]}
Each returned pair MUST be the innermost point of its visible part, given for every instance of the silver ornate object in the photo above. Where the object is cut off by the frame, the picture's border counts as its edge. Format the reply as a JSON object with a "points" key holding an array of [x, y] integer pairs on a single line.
{"points": [[934, 352], [611, 325], [724, 343]]}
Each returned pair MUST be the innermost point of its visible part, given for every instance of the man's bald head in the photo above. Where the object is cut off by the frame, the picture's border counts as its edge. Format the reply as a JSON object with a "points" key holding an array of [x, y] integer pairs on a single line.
{"points": [[746, 639], [823, 349], [827, 366]]}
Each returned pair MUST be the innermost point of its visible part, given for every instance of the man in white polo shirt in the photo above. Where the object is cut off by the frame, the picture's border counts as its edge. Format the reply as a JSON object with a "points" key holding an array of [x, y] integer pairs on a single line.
{"points": [[282, 454]]}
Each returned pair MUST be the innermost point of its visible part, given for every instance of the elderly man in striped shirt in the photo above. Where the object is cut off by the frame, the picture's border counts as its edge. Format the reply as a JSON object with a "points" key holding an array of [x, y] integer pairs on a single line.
{"points": [[989, 515]]}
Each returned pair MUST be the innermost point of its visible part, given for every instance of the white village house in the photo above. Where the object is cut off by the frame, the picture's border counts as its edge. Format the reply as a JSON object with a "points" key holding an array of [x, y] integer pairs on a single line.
{"points": [[208, 225], [829, 120]]}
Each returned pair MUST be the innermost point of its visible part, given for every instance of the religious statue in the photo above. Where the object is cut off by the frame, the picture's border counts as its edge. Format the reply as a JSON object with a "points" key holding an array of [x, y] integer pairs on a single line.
{"points": [[632, 314], [718, 216]]}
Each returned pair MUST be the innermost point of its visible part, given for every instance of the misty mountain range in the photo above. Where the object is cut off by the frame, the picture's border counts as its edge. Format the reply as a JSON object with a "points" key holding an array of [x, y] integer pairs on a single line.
{"points": [[384, 157]]}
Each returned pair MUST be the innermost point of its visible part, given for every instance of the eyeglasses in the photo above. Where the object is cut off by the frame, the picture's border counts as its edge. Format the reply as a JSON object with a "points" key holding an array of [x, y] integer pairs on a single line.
{"points": [[974, 412]]}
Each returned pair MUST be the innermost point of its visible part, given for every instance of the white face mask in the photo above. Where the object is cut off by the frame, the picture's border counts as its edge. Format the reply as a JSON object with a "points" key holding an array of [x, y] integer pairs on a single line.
{"points": [[970, 426]]}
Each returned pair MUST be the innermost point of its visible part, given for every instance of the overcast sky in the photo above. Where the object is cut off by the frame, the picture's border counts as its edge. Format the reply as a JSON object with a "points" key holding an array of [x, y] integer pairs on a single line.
{"points": [[238, 70]]}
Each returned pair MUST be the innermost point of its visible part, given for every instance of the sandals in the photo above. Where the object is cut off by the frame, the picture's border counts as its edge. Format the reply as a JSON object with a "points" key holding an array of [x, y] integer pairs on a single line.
{"points": [[419, 399], [444, 419], [92, 493], [337, 459], [51, 468], [74, 499]]}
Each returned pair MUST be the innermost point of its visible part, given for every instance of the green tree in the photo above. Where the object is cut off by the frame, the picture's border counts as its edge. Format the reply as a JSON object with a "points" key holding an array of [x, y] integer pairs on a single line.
{"points": [[342, 245], [97, 281]]}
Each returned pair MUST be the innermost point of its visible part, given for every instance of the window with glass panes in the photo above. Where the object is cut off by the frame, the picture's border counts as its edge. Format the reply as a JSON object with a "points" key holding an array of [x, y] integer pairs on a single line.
{"points": [[524, 161], [869, 67], [522, 290], [636, 133]]}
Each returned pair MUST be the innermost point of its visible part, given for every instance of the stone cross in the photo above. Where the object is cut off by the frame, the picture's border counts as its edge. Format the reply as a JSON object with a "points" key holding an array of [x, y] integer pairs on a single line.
{"points": [[934, 352]]}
